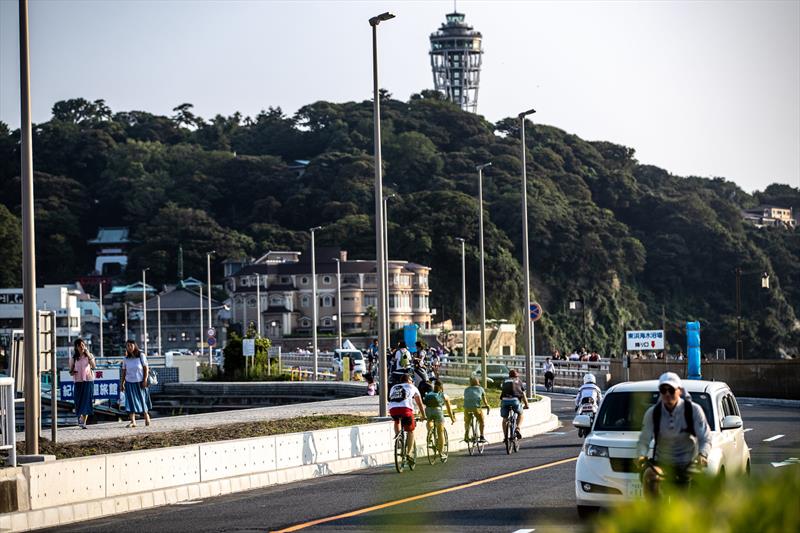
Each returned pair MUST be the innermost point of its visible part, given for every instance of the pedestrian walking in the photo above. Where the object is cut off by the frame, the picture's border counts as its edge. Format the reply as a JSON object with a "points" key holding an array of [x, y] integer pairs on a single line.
{"points": [[81, 367], [135, 373]]}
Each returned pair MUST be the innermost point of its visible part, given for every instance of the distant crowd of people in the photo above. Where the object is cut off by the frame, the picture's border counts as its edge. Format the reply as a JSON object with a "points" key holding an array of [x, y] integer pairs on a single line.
{"points": [[581, 354]]}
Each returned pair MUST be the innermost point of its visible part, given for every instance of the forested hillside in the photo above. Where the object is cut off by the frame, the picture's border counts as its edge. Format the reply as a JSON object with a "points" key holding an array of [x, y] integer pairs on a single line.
{"points": [[637, 244]]}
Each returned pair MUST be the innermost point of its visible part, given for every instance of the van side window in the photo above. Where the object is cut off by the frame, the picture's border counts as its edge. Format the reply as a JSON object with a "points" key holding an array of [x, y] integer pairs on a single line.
{"points": [[734, 405]]}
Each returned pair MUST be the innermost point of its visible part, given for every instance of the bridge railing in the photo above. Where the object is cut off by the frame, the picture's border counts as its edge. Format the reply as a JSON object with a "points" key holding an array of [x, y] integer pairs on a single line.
{"points": [[567, 373]]}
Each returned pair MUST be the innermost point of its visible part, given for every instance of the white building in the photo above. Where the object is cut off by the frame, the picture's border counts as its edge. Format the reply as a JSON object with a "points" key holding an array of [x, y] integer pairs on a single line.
{"points": [[58, 298]]}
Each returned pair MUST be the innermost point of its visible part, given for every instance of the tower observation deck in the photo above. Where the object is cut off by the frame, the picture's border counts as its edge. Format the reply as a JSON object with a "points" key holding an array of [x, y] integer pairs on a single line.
{"points": [[456, 61]]}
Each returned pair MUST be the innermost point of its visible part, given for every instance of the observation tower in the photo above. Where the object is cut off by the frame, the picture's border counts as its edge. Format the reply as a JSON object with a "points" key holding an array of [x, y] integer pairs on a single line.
{"points": [[456, 61]]}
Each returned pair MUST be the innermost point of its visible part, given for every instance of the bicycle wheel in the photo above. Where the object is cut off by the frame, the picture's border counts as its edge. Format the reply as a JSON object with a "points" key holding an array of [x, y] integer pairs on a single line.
{"points": [[510, 426], [478, 444], [445, 446], [472, 439], [399, 451], [430, 445], [516, 440]]}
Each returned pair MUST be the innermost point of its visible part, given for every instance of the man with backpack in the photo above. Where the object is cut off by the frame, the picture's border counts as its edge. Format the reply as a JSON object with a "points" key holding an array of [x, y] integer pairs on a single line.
{"points": [[680, 433], [401, 363]]}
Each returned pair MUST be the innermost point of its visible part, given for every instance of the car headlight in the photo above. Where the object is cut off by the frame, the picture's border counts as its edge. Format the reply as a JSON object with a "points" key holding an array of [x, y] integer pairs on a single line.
{"points": [[593, 450]]}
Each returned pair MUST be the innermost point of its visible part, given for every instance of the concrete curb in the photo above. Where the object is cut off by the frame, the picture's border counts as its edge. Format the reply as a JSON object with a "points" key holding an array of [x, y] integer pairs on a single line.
{"points": [[70, 513]]}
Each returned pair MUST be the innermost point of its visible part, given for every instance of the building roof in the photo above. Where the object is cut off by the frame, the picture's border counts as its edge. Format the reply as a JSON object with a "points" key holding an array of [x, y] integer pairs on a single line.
{"points": [[133, 287], [111, 236], [181, 298]]}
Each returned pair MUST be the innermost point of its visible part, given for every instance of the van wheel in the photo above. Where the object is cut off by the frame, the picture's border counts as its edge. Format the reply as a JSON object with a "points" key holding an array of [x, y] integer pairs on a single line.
{"points": [[585, 511]]}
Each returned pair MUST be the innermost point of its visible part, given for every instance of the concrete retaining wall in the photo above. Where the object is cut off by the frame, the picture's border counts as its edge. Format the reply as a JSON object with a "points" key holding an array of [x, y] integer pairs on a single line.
{"points": [[72, 490], [757, 378]]}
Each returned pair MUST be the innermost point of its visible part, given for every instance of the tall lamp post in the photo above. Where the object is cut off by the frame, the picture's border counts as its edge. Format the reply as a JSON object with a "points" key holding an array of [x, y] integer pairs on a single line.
{"points": [[463, 299], [765, 286], [144, 309], [339, 298], [101, 318], [314, 302], [208, 272], [388, 322], [158, 303], [258, 304], [529, 345], [380, 255], [483, 276]]}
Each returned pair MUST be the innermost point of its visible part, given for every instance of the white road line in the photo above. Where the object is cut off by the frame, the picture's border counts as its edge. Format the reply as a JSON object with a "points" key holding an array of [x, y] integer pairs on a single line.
{"points": [[748, 429], [776, 437], [789, 461], [524, 531]]}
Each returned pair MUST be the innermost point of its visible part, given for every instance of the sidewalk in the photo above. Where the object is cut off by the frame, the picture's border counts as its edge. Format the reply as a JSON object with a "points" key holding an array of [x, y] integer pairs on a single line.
{"points": [[361, 405]]}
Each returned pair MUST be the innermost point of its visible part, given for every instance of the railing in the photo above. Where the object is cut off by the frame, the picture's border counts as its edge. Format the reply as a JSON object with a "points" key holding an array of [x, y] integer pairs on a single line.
{"points": [[567, 373], [8, 430]]}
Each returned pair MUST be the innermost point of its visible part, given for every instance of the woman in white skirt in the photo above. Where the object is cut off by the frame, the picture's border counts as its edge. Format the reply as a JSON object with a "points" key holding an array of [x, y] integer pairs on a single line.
{"points": [[134, 383]]}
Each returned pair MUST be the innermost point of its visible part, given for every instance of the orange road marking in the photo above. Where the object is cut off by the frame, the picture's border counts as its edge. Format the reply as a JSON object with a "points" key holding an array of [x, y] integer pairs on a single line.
{"points": [[378, 507]]}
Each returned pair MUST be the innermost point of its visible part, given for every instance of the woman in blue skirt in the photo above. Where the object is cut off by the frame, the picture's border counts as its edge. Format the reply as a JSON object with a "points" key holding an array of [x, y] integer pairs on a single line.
{"points": [[134, 383], [82, 367]]}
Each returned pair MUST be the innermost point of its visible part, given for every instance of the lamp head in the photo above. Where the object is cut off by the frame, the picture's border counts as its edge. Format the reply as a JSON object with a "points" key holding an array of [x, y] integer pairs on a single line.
{"points": [[374, 21], [481, 167], [315, 228], [526, 113]]}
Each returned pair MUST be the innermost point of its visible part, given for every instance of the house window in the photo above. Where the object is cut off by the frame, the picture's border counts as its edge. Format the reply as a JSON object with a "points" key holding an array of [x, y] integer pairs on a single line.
{"points": [[275, 300], [243, 281], [304, 280], [306, 323], [328, 301], [327, 322], [304, 301], [370, 300], [326, 280]]}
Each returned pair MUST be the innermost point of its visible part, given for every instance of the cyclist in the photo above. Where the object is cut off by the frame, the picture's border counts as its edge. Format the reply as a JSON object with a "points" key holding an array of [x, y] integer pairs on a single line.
{"points": [[401, 363], [680, 433], [402, 398], [474, 398], [589, 391], [512, 396], [434, 402], [549, 373]]}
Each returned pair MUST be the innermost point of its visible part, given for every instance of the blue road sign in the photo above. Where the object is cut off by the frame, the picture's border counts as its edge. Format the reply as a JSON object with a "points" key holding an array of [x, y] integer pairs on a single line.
{"points": [[212, 341], [536, 312]]}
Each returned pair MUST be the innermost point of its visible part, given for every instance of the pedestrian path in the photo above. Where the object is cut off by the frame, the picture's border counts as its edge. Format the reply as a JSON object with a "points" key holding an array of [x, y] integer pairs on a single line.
{"points": [[359, 406]]}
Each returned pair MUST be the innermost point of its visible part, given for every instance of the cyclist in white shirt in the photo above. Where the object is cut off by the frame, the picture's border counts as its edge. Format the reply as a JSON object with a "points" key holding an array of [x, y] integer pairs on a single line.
{"points": [[402, 398]]}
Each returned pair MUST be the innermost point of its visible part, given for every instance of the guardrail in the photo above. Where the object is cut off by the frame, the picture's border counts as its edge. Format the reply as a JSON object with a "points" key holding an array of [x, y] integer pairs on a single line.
{"points": [[8, 431], [568, 373]]}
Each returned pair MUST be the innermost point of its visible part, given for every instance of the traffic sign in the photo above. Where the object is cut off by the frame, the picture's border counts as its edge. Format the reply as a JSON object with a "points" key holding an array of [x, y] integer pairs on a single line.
{"points": [[212, 332], [212, 341], [536, 311], [249, 347]]}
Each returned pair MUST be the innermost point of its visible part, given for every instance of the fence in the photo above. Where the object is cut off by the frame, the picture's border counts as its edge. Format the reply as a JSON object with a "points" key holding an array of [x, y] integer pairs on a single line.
{"points": [[8, 432]]}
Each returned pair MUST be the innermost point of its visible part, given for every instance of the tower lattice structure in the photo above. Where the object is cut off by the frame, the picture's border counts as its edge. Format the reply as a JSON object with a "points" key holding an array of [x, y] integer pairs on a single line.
{"points": [[456, 55]]}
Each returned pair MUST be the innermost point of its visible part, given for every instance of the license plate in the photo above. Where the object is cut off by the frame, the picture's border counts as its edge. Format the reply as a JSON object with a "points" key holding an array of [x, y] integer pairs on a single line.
{"points": [[634, 489]]}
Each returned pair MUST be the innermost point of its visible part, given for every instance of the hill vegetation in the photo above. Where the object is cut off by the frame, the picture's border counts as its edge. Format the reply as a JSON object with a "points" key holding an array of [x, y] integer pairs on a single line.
{"points": [[639, 245]]}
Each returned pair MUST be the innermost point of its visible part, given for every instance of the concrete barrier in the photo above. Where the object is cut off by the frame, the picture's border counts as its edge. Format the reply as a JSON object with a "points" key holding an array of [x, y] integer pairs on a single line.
{"points": [[72, 490]]}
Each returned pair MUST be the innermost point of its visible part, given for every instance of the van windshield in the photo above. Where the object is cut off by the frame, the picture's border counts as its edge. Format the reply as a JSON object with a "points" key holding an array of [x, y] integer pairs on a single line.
{"points": [[624, 411]]}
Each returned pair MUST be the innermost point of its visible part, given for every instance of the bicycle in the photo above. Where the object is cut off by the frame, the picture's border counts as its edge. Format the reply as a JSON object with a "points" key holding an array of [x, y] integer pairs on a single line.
{"points": [[401, 458], [511, 440], [474, 443], [432, 449]]}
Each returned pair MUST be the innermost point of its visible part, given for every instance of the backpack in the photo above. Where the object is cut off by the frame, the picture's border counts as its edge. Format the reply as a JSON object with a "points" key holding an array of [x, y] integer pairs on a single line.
{"points": [[688, 415], [432, 399]]}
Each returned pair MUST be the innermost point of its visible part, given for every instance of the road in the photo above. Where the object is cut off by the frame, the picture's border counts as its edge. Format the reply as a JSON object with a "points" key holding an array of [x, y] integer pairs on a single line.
{"points": [[463, 495]]}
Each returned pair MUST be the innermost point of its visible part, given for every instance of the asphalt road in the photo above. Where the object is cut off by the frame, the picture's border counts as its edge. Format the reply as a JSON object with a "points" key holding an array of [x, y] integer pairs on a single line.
{"points": [[540, 498]]}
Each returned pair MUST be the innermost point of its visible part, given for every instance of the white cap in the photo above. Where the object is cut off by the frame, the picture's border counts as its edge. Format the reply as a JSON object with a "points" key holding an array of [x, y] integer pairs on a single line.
{"points": [[671, 379]]}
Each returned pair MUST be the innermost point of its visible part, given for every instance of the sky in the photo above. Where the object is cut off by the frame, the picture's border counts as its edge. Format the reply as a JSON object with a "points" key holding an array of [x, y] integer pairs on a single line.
{"points": [[702, 88]]}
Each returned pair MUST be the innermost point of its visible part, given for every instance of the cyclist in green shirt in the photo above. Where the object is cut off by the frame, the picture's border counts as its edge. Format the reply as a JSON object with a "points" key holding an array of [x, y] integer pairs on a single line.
{"points": [[474, 399], [434, 402]]}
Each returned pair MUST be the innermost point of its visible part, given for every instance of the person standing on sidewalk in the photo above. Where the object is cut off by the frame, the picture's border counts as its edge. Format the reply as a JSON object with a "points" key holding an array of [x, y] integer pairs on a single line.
{"points": [[81, 367], [135, 372]]}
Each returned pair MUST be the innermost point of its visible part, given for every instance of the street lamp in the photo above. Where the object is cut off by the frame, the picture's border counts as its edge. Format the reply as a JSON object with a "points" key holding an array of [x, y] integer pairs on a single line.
{"points": [[388, 321], [529, 345], [210, 327], [764, 285], [463, 300], [339, 298], [158, 302], [314, 302], [258, 304], [101, 318], [579, 304], [380, 255], [483, 277], [144, 309]]}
